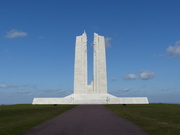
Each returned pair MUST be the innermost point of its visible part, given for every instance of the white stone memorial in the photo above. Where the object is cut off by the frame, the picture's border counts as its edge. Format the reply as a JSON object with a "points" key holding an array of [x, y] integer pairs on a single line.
{"points": [[96, 92]]}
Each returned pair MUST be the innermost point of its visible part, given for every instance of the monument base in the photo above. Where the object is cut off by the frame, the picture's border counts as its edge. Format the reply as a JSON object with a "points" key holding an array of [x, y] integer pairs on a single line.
{"points": [[91, 99]]}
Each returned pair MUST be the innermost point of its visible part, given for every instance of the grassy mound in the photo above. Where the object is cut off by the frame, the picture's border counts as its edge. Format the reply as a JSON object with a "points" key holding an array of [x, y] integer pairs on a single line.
{"points": [[156, 119], [15, 119]]}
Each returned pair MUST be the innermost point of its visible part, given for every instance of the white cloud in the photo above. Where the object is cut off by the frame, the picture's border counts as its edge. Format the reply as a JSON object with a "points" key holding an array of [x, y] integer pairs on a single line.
{"points": [[166, 89], [159, 55], [41, 37], [5, 51], [54, 90], [130, 77], [145, 75], [174, 51], [8, 86], [23, 92], [126, 89], [3, 86], [107, 42], [14, 34], [16, 85], [177, 42], [54, 93]]}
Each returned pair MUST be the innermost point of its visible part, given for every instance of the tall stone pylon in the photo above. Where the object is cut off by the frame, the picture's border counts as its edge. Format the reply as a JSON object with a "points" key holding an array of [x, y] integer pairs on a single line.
{"points": [[100, 75], [80, 65]]}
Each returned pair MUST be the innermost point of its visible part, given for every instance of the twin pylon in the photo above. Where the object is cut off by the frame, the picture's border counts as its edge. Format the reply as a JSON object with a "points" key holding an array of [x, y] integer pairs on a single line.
{"points": [[99, 82], [96, 92]]}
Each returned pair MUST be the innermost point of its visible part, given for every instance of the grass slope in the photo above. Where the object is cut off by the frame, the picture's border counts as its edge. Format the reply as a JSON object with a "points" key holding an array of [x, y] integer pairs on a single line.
{"points": [[15, 119], [156, 119]]}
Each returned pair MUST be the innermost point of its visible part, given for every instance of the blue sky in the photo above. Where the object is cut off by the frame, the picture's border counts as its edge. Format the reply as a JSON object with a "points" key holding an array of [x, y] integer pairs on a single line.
{"points": [[37, 41]]}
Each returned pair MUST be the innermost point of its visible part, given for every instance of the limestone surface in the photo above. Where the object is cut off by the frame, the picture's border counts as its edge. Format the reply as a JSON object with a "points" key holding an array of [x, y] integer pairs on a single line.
{"points": [[96, 92], [92, 99]]}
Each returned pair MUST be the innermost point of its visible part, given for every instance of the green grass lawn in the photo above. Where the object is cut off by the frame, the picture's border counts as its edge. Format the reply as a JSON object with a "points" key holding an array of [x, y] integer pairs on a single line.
{"points": [[156, 119], [15, 119]]}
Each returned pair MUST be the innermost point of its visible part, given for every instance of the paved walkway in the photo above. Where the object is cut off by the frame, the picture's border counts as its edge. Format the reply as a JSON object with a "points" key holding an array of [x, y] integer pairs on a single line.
{"points": [[86, 120]]}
